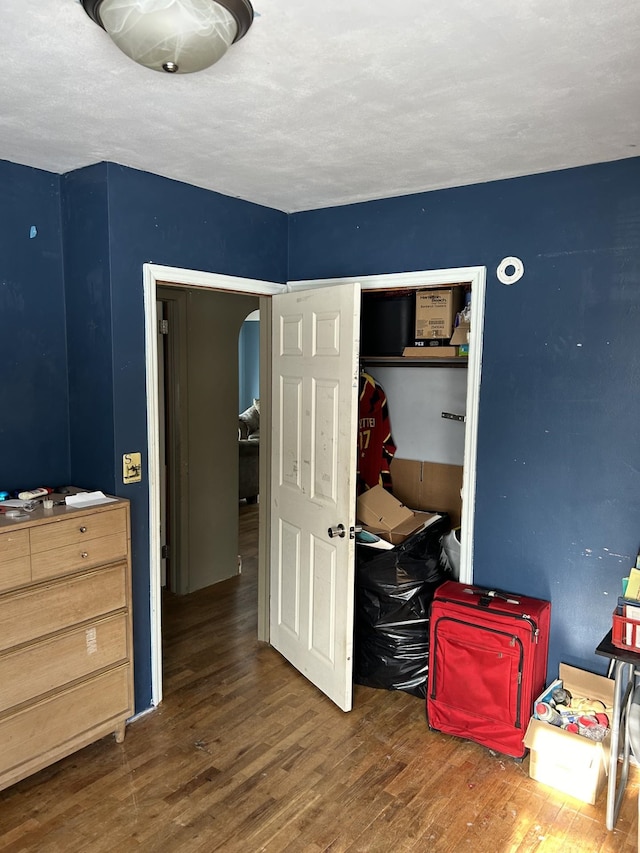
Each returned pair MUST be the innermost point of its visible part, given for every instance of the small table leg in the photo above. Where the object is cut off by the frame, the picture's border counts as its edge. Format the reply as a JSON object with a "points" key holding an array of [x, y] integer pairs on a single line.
{"points": [[624, 677]]}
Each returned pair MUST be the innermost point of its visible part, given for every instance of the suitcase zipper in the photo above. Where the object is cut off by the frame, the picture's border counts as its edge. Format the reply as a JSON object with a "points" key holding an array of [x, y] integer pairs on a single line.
{"points": [[513, 640], [535, 631]]}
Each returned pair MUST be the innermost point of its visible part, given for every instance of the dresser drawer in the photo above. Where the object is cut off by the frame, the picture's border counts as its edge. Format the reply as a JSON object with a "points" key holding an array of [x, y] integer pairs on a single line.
{"points": [[28, 614], [13, 544], [34, 670], [77, 529], [81, 555], [15, 573], [15, 566], [29, 735]]}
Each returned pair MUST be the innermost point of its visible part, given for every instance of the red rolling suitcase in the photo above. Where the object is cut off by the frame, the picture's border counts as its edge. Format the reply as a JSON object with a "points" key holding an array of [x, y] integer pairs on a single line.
{"points": [[487, 664]]}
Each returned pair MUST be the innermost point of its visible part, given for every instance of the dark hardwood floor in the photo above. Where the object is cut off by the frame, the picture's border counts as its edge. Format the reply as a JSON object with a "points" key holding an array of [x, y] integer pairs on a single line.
{"points": [[244, 755]]}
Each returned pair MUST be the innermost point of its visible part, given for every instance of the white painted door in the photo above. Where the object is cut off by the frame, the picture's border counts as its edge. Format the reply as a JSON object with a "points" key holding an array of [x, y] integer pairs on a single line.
{"points": [[315, 408]]}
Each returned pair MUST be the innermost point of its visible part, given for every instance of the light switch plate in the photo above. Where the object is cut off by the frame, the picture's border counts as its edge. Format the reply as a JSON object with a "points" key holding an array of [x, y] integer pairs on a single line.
{"points": [[132, 468]]}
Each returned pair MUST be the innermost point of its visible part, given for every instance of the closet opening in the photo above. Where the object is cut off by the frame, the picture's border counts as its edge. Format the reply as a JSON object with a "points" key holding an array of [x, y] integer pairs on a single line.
{"points": [[414, 343], [414, 354]]}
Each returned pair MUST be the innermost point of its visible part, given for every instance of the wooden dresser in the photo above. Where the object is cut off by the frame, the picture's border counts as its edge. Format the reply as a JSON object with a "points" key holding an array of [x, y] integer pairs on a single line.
{"points": [[66, 651]]}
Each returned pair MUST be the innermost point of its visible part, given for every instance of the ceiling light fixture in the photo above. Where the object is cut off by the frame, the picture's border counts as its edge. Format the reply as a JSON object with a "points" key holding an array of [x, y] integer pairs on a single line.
{"points": [[172, 35]]}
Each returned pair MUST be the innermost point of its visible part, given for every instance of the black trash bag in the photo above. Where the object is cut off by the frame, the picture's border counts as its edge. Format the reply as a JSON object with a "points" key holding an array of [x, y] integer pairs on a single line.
{"points": [[394, 591]]}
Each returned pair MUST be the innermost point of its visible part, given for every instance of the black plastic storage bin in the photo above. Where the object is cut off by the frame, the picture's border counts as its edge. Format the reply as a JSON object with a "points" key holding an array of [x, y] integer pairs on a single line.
{"points": [[394, 591], [387, 323]]}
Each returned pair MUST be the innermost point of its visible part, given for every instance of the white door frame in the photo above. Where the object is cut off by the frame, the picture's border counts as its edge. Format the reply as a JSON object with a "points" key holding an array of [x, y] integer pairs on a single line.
{"points": [[477, 278], [154, 274]]}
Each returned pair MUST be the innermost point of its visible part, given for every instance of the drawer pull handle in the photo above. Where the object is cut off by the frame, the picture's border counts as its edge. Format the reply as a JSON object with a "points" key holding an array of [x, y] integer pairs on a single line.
{"points": [[83, 530], [84, 555]]}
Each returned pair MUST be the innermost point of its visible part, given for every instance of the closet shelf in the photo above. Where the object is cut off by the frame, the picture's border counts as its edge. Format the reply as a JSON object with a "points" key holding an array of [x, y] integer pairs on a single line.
{"points": [[401, 361]]}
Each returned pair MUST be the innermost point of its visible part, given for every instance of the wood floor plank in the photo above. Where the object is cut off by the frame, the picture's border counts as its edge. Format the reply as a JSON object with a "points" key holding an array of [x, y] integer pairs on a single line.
{"points": [[246, 756]]}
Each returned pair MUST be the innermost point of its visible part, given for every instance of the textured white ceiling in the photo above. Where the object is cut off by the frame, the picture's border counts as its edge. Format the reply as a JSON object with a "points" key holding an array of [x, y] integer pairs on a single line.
{"points": [[333, 101]]}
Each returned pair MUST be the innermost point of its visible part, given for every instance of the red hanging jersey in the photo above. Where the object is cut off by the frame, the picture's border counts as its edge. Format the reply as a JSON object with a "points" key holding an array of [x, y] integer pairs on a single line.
{"points": [[375, 443]]}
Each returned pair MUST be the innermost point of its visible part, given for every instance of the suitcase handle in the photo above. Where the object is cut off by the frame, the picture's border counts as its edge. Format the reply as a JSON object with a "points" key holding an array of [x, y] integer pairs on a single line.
{"points": [[487, 594]]}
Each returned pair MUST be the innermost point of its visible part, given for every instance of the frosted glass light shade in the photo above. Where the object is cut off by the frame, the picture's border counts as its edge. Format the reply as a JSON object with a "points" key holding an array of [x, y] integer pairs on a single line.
{"points": [[172, 35]]}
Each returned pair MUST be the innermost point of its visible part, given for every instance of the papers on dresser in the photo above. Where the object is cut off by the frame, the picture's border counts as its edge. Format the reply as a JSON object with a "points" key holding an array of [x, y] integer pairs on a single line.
{"points": [[84, 499]]}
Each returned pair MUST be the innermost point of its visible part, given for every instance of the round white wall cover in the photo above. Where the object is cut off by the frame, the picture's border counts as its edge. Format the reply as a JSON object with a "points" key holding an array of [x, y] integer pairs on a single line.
{"points": [[510, 270]]}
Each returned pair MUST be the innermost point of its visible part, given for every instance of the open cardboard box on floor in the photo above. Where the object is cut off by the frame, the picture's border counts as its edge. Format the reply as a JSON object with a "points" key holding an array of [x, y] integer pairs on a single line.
{"points": [[380, 513], [420, 490], [571, 762]]}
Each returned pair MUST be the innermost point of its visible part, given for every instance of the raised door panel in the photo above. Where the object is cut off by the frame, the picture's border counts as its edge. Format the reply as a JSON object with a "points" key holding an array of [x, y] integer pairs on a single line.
{"points": [[289, 419], [287, 567]]}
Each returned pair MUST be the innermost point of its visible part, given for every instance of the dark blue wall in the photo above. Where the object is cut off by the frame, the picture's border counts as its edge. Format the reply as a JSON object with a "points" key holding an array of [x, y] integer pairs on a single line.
{"points": [[558, 459], [89, 328], [558, 488], [34, 414], [152, 219]]}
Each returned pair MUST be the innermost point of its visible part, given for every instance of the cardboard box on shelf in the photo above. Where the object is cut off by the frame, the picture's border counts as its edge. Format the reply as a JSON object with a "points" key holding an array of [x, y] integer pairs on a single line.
{"points": [[430, 352], [563, 760], [431, 343], [382, 514], [436, 311]]}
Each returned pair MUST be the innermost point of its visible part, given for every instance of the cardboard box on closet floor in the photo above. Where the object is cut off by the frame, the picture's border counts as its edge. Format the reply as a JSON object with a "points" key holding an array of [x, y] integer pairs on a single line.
{"points": [[419, 488]]}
